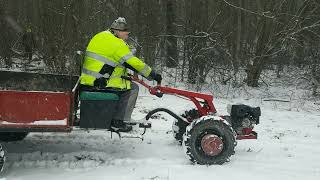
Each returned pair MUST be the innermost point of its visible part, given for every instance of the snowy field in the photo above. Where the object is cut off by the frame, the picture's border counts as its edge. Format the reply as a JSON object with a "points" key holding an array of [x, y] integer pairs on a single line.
{"points": [[287, 148]]}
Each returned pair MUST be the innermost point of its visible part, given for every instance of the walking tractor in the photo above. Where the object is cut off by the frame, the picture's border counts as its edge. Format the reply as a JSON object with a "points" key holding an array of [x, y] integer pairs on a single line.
{"points": [[34, 102]]}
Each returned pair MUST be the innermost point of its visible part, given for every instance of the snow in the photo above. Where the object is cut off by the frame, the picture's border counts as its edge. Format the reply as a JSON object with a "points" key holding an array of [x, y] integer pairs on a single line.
{"points": [[19, 64], [287, 148], [40, 122]]}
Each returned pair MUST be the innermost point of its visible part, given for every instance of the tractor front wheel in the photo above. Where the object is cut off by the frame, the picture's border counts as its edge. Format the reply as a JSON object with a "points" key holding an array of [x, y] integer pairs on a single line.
{"points": [[179, 128], [209, 141]]}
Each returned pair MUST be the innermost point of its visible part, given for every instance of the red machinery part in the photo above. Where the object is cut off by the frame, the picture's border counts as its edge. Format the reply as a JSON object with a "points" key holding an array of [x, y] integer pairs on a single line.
{"points": [[211, 144], [252, 135], [207, 108], [204, 110], [20, 108]]}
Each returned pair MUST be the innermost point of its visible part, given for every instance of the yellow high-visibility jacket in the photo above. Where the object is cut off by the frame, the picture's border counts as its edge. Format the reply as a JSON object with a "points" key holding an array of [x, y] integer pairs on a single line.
{"points": [[106, 49]]}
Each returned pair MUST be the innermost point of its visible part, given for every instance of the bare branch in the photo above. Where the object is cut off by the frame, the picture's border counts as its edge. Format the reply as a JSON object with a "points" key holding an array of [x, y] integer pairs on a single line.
{"points": [[279, 100], [264, 14], [316, 24]]}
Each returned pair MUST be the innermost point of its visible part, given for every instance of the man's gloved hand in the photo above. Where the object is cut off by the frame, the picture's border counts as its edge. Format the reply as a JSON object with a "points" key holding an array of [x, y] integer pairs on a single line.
{"points": [[155, 76], [158, 78]]}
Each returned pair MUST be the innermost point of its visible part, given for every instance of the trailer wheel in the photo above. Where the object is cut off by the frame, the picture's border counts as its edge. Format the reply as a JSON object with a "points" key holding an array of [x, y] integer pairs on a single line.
{"points": [[12, 136], [209, 141], [2, 158]]}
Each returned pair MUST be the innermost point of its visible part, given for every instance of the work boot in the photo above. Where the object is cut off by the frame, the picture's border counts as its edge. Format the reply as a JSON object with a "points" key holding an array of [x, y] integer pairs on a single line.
{"points": [[120, 126]]}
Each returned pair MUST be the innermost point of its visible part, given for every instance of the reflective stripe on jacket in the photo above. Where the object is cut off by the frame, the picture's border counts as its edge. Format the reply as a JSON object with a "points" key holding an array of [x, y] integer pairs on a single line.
{"points": [[105, 48]]}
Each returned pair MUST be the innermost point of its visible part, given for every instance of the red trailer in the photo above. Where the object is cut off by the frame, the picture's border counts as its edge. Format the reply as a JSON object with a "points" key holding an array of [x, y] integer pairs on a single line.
{"points": [[31, 102]]}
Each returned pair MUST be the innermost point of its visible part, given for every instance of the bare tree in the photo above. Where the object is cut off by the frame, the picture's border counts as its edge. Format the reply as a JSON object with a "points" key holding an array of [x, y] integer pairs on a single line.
{"points": [[172, 51]]}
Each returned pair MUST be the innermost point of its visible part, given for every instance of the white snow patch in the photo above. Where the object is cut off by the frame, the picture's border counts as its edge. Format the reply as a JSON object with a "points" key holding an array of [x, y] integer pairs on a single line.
{"points": [[40, 122]]}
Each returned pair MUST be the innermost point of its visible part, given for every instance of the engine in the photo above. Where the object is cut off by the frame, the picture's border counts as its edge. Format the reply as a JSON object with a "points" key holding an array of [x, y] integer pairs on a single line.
{"points": [[243, 118]]}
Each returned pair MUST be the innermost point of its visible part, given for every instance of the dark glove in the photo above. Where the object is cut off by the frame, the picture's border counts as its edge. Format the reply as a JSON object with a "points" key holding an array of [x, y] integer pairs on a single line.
{"points": [[155, 76], [100, 83]]}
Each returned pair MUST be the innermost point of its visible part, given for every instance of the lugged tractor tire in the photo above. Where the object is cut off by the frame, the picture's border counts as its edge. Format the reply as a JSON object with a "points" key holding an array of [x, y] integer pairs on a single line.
{"points": [[209, 141], [12, 136], [179, 127]]}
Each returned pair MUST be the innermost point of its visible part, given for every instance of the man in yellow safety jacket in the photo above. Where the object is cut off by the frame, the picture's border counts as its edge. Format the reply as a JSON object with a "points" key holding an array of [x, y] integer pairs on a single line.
{"points": [[105, 66]]}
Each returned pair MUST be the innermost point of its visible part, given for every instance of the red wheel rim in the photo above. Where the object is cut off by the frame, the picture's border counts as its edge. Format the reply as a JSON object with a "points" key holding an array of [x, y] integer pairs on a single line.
{"points": [[211, 144]]}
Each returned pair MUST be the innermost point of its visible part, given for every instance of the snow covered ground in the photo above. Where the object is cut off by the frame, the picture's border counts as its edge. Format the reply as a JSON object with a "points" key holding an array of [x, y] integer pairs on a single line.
{"points": [[287, 148]]}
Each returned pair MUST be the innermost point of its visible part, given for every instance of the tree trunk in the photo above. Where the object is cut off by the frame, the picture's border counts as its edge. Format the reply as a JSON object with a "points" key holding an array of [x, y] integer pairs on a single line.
{"points": [[172, 55], [261, 50], [254, 72]]}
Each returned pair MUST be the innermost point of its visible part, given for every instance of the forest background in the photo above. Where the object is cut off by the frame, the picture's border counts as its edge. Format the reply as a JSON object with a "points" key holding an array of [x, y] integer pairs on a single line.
{"points": [[196, 41]]}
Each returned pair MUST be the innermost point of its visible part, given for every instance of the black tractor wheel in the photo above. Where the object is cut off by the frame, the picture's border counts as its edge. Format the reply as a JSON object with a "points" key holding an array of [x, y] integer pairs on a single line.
{"points": [[179, 126], [12, 136], [209, 141]]}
